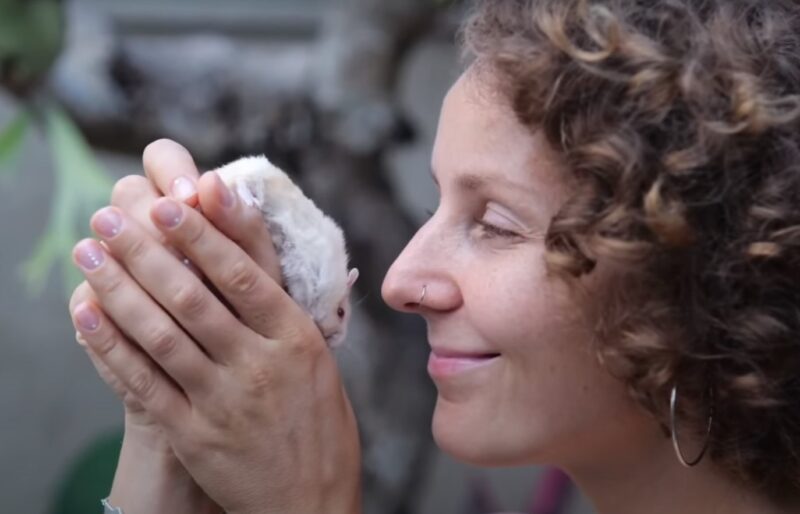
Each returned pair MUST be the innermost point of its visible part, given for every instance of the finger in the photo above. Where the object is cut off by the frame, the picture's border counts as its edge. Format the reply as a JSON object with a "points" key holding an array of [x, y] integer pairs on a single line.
{"points": [[138, 374], [242, 224], [108, 376], [82, 293], [171, 168], [142, 320], [260, 301], [135, 195], [166, 281]]}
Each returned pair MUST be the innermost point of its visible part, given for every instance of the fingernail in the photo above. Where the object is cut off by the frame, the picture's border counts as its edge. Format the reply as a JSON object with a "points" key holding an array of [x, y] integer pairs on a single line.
{"points": [[107, 222], [89, 255], [182, 188], [80, 339], [226, 196], [168, 213], [87, 318]]}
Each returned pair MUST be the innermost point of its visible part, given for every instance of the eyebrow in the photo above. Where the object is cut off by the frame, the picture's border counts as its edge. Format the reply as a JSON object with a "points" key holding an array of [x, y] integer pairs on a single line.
{"points": [[474, 182]]}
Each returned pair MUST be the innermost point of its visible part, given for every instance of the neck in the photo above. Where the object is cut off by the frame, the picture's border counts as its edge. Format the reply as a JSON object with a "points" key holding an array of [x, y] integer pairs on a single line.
{"points": [[650, 479]]}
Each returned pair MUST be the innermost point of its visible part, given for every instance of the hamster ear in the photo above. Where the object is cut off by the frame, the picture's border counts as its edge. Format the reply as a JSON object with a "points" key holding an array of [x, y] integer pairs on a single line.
{"points": [[352, 277]]}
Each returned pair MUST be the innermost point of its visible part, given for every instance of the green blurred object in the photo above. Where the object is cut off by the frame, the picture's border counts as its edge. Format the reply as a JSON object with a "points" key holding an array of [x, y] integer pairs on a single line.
{"points": [[88, 479], [11, 138], [81, 188], [31, 37]]}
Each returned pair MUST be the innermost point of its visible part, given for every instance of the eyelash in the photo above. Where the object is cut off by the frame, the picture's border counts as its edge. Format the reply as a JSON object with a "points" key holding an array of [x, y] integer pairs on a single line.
{"points": [[489, 230], [494, 231]]}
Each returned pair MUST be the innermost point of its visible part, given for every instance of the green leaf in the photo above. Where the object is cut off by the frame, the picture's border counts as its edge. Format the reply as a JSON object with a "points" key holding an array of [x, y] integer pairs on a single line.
{"points": [[11, 139], [88, 477], [81, 187], [31, 37]]}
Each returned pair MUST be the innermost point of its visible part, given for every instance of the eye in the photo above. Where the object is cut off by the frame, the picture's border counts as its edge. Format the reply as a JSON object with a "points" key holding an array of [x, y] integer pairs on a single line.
{"points": [[488, 230], [340, 312], [494, 223]]}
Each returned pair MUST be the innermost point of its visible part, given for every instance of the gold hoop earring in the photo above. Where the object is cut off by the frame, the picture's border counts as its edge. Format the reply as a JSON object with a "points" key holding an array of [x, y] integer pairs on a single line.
{"points": [[673, 400]]}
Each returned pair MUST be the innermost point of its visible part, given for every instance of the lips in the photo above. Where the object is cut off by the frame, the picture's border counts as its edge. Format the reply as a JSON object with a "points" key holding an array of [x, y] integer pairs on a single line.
{"points": [[444, 363]]}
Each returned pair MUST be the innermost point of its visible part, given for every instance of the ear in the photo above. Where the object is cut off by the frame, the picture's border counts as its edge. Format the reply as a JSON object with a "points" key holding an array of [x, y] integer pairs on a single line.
{"points": [[352, 277]]}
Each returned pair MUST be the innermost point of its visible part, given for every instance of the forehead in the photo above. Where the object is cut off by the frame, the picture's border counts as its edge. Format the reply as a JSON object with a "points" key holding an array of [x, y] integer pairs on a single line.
{"points": [[479, 137]]}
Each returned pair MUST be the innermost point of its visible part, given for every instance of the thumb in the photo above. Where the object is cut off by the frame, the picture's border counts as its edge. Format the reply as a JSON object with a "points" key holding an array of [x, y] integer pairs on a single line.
{"points": [[241, 223]]}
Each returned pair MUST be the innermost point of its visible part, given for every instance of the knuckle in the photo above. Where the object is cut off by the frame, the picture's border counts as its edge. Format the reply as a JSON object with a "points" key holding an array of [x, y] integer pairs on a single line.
{"points": [[105, 344], [253, 220], [306, 345], [161, 341], [111, 286], [241, 278], [196, 445], [301, 335], [260, 378], [81, 293], [196, 232], [190, 300], [127, 188], [143, 384], [222, 415], [136, 250]]}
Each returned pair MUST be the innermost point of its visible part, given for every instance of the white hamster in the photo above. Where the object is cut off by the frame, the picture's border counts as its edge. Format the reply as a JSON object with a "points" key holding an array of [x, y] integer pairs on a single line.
{"points": [[309, 244]]}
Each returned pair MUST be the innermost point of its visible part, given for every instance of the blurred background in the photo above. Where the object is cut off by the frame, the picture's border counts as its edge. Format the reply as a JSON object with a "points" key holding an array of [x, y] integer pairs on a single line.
{"points": [[344, 95]]}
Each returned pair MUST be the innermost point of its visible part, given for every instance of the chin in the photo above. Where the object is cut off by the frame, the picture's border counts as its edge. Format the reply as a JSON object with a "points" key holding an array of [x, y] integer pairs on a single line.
{"points": [[476, 443]]}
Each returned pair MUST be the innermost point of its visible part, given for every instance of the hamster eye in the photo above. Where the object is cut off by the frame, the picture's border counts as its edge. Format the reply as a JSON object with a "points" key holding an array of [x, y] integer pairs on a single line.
{"points": [[340, 312]]}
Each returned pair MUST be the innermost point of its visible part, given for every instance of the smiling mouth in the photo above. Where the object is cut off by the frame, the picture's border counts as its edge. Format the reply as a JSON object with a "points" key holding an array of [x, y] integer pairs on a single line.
{"points": [[447, 354], [443, 364]]}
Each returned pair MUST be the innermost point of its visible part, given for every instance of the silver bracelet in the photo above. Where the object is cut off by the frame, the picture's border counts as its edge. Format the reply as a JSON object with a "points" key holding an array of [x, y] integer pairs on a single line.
{"points": [[108, 509]]}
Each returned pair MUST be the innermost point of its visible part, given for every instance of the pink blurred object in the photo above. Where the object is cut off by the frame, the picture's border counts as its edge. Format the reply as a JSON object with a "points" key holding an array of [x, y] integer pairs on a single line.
{"points": [[552, 492], [480, 497], [550, 495]]}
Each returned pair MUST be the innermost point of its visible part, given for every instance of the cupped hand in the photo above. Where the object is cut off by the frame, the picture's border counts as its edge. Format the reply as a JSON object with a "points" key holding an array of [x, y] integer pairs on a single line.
{"points": [[171, 171], [251, 402], [149, 476]]}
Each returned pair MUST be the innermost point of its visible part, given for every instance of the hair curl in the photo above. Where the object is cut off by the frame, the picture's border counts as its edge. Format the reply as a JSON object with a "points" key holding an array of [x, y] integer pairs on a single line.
{"points": [[680, 122]]}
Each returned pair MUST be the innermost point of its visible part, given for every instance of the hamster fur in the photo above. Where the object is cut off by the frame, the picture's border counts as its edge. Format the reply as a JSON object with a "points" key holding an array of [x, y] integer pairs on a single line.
{"points": [[309, 244]]}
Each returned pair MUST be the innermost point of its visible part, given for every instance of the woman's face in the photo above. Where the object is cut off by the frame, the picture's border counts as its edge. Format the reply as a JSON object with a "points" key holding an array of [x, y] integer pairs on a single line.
{"points": [[511, 353]]}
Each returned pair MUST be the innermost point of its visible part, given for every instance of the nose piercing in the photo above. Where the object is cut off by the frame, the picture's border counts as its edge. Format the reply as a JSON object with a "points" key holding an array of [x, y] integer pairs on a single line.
{"points": [[422, 296]]}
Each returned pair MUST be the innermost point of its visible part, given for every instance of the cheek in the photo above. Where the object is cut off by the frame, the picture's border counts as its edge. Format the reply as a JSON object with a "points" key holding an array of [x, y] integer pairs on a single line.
{"points": [[549, 400], [551, 386], [516, 306]]}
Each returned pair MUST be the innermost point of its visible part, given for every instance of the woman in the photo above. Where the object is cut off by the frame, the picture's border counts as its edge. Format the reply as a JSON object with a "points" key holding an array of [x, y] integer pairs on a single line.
{"points": [[610, 281]]}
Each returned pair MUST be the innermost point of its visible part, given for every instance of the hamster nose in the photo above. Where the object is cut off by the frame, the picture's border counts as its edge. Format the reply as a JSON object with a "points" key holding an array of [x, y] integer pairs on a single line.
{"points": [[334, 339]]}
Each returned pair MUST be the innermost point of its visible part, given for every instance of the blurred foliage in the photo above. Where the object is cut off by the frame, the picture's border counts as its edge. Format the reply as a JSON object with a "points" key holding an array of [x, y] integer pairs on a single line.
{"points": [[11, 139], [81, 187], [31, 37], [89, 478]]}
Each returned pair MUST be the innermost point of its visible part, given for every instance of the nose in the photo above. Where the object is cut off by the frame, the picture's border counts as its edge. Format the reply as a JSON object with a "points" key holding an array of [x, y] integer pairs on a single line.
{"points": [[423, 276]]}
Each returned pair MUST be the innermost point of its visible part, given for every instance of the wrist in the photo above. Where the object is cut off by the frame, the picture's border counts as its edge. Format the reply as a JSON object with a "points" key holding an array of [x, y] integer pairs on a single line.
{"points": [[150, 479], [347, 499], [142, 434], [343, 502]]}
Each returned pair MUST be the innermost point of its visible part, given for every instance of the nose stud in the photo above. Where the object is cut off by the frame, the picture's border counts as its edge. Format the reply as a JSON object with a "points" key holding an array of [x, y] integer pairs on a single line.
{"points": [[422, 296]]}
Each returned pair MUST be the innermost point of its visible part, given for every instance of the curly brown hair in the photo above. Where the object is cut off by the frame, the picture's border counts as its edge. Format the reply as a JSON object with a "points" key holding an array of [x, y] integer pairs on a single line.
{"points": [[679, 121]]}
